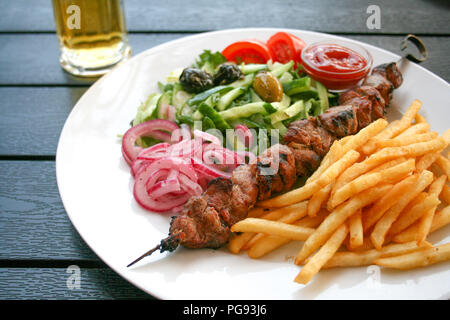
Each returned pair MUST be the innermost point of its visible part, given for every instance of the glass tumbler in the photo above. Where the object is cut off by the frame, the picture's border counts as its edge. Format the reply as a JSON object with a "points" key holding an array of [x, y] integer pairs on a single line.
{"points": [[92, 35]]}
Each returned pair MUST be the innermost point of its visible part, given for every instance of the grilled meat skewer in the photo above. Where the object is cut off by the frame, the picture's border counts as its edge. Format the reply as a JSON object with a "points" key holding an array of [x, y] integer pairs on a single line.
{"points": [[206, 220]]}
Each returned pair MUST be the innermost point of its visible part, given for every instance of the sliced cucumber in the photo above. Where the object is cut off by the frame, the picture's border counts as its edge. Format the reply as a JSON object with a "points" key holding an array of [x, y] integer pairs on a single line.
{"points": [[244, 111], [228, 98], [297, 86], [252, 68], [202, 96], [323, 96], [246, 82], [179, 97], [216, 117], [166, 98], [279, 70], [147, 110]]}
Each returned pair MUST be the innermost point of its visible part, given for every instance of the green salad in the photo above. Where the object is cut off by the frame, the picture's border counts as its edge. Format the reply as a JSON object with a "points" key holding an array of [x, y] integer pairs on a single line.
{"points": [[220, 95]]}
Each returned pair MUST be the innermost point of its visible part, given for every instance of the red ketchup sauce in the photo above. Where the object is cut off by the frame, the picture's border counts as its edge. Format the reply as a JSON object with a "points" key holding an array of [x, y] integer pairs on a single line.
{"points": [[337, 67]]}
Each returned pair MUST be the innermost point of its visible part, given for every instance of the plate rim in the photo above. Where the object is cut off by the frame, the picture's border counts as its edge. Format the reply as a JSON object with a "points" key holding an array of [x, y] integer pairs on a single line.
{"points": [[156, 49]]}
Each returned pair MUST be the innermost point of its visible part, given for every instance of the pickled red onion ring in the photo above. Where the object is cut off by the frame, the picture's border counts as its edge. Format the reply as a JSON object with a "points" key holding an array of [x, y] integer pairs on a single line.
{"points": [[167, 174]]}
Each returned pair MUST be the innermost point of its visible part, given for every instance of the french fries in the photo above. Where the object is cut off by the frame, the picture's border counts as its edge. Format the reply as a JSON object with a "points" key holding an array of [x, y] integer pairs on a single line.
{"points": [[323, 255], [374, 199], [273, 228], [390, 175], [355, 231], [365, 258], [420, 258], [382, 226], [309, 189]]}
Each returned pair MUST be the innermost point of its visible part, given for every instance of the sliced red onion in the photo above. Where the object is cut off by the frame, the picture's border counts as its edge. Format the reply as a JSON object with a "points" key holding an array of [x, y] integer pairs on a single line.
{"points": [[190, 186], [182, 133], [244, 134], [152, 128], [208, 137], [171, 111], [150, 203], [209, 170]]}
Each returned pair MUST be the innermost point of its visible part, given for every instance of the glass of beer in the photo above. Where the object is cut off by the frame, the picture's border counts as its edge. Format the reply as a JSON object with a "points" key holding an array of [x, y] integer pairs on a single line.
{"points": [[92, 35]]}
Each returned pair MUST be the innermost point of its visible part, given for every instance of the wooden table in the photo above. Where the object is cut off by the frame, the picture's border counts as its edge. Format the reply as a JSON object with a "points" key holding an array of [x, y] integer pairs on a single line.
{"points": [[37, 240]]}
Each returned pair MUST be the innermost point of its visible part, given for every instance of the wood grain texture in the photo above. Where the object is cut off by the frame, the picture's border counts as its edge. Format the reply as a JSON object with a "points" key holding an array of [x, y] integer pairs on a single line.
{"points": [[19, 64], [397, 16], [51, 284], [33, 222]]}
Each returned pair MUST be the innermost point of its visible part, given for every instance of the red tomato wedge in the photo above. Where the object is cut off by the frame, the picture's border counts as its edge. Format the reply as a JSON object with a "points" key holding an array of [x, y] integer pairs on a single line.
{"points": [[247, 51], [284, 47]]}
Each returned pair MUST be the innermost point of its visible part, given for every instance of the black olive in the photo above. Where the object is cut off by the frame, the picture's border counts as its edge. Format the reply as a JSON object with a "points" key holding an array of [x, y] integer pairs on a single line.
{"points": [[195, 80], [227, 73]]}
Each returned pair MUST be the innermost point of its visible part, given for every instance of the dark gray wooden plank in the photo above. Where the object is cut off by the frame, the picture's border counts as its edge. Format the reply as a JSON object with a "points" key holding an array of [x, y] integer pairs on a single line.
{"points": [[348, 16], [32, 118], [51, 284], [33, 59], [33, 222]]}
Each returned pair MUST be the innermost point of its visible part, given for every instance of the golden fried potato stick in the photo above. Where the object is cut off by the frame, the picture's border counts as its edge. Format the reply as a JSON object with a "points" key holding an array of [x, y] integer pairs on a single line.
{"points": [[351, 173], [317, 199], [336, 218], [444, 164], [387, 154], [268, 243], [295, 212], [332, 155], [413, 213], [395, 128], [426, 161], [417, 259], [348, 143], [384, 224], [323, 255], [275, 228], [387, 201], [363, 182], [406, 140], [257, 212], [237, 242], [309, 189], [356, 235], [415, 129], [367, 257], [427, 219], [420, 119], [445, 194], [440, 219]]}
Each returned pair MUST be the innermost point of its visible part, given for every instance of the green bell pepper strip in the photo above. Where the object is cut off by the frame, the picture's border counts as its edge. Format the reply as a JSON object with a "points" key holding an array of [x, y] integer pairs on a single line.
{"points": [[216, 117]]}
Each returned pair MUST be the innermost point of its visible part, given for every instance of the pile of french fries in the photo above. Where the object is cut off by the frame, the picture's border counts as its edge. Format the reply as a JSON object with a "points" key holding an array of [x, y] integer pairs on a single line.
{"points": [[375, 198]]}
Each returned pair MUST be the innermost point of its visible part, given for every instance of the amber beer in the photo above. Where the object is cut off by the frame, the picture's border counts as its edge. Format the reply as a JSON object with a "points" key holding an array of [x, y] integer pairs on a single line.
{"points": [[92, 35]]}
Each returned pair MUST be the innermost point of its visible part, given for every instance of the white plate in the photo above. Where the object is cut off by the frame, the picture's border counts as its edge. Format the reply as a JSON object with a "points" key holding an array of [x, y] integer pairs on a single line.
{"points": [[96, 189]]}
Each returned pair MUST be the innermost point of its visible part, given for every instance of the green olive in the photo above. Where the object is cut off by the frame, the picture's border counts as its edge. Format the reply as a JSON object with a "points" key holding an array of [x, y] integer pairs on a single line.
{"points": [[268, 87]]}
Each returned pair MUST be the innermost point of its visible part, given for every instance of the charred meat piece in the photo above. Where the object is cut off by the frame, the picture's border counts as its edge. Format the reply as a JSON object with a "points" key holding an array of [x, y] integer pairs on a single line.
{"points": [[384, 86], [390, 72], [244, 192], [378, 103], [341, 120], [306, 160], [275, 171], [363, 108], [309, 133]]}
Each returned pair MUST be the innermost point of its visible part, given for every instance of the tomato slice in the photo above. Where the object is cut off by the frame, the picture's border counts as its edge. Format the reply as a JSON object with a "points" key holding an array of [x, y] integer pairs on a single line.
{"points": [[284, 47], [247, 51]]}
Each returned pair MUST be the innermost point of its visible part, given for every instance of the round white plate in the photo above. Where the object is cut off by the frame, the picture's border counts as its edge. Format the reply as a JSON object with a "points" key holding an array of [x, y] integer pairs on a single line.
{"points": [[96, 188]]}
